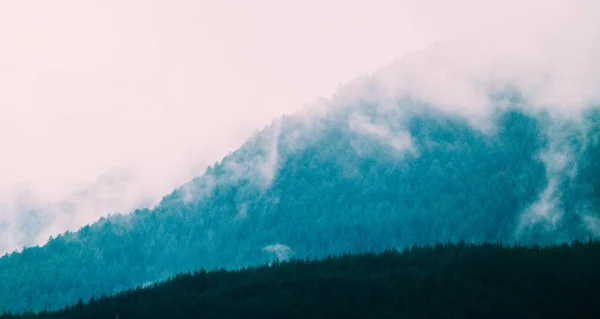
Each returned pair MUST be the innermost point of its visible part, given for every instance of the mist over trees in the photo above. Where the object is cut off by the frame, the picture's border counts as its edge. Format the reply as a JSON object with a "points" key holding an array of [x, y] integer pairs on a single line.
{"points": [[357, 180]]}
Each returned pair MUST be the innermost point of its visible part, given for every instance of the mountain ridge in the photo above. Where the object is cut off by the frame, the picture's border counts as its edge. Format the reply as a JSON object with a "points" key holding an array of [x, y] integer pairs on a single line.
{"points": [[329, 186]]}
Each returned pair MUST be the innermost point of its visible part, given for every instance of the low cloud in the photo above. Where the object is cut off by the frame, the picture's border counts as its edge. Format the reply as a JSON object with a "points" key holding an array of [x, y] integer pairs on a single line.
{"points": [[398, 140], [149, 86], [281, 252]]}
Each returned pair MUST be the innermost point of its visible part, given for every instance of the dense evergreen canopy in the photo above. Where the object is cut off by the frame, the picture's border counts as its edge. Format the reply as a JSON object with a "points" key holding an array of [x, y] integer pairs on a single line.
{"points": [[441, 281], [341, 183]]}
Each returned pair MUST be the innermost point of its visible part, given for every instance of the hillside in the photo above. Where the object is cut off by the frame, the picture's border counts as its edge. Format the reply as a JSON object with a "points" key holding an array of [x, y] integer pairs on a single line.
{"points": [[358, 178], [30, 222], [441, 281]]}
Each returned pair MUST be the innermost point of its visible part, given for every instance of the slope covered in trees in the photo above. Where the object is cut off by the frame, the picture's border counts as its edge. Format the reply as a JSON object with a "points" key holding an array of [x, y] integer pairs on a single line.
{"points": [[360, 178], [441, 281]]}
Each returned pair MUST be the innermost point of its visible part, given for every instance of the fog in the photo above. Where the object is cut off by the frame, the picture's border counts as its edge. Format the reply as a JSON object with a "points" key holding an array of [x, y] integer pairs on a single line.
{"points": [[109, 105]]}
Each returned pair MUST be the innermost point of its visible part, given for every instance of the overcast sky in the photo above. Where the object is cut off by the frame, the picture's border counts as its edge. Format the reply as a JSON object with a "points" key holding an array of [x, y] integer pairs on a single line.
{"points": [[165, 87]]}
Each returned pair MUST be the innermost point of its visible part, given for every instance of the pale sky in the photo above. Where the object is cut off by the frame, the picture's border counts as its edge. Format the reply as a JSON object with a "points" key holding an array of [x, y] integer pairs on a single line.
{"points": [[164, 88]]}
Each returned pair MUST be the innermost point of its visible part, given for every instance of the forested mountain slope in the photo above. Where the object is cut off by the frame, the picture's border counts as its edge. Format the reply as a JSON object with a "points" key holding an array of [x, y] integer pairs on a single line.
{"points": [[441, 281], [357, 178], [30, 222]]}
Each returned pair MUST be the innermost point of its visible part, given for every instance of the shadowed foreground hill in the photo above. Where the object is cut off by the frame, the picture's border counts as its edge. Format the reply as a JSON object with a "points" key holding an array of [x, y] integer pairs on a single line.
{"points": [[354, 181], [442, 281]]}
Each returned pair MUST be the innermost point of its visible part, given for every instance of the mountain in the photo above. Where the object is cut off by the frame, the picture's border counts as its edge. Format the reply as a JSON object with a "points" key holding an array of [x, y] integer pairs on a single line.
{"points": [[31, 221], [440, 281], [354, 177]]}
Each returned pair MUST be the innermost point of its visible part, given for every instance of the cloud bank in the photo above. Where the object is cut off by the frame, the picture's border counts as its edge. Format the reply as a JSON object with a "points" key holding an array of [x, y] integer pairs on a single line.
{"points": [[158, 90]]}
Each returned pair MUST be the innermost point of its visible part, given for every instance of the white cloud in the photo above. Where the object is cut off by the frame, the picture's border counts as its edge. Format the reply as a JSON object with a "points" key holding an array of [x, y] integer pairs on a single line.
{"points": [[592, 223], [282, 252], [166, 88], [545, 211], [400, 140]]}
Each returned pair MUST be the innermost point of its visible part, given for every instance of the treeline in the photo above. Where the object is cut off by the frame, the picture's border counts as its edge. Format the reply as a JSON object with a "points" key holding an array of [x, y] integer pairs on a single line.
{"points": [[342, 191], [442, 281]]}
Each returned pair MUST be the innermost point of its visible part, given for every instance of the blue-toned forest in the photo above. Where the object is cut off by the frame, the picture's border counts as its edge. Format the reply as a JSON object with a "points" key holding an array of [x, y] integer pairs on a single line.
{"points": [[336, 184], [440, 281]]}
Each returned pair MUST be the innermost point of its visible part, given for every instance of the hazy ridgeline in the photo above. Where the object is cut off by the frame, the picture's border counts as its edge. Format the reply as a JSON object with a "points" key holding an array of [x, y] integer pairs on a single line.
{"points": [[489, 135], [357, 178]]}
